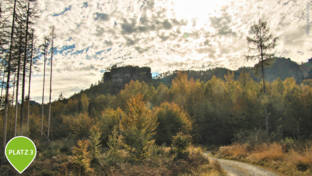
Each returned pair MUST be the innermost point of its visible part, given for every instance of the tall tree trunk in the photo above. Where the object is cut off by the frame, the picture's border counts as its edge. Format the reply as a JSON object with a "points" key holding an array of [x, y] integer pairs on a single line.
{"points": [[2, 85], [18, 76], [10, 123], [31, 60], [50, 82], [265, 108], [8, 81], [24, 70], [43, 86]]}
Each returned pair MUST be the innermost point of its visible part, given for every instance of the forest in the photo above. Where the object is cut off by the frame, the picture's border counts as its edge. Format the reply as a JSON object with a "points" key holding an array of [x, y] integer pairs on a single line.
{"points": [[158, 127]]}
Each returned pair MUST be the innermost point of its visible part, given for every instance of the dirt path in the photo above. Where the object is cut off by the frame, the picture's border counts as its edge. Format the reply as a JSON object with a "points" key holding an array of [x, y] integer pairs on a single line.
{"points": [[235, 168]]}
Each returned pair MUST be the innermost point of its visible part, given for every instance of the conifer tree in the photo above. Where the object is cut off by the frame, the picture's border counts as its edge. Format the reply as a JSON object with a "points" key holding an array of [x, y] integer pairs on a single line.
{"points": [[263, 42]]}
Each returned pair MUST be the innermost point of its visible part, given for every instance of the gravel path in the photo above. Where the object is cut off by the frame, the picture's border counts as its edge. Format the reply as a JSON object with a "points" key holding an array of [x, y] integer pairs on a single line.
{"points": [[235, 168]]}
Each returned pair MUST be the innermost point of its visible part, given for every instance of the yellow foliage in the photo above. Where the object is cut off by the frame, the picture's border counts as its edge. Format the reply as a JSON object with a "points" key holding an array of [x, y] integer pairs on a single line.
{"points": [[81, 157], [81, 124]]}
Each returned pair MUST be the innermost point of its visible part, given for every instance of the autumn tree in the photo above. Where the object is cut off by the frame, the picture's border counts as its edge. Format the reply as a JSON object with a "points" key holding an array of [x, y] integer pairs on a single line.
{"points": [[180, 89], [132, 89], [263, 42], [81, 157], [81, 125], [138, 128], [108, 119], [84, 103], [172, 119], [94, 140]]}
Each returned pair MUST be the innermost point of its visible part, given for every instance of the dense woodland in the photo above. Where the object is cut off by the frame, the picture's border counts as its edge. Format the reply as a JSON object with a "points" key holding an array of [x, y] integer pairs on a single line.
{"points": [[178, 109], [213, 111]]}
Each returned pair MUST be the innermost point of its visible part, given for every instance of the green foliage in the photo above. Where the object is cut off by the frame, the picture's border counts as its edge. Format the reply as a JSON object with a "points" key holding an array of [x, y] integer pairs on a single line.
{"points": [[255, 137], [138, 128], [95, 145], [113, 142], [171, 119], [109, 118], [180, 144], [287, 143], [81, 125], [84, 102]]}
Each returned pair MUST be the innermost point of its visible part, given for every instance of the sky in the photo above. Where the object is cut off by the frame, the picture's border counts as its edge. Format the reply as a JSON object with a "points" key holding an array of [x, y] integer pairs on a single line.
{"points": [[164, 35]]}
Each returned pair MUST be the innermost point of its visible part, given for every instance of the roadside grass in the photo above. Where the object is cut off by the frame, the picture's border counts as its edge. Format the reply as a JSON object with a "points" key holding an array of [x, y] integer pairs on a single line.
{"points": [[164, 164], [53, 160], [289, 160]]}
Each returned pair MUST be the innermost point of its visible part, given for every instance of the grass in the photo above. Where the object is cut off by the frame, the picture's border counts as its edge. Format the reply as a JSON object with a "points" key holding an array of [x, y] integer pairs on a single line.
{"points": [[296, 160], [163, 164], [53, 160]]}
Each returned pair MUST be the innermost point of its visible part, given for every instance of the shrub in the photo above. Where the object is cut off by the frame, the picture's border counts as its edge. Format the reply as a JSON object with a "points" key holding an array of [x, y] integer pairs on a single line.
{"points": [[254, 137], [268, 152], [180, 144], [287, 143], [235, 150]]}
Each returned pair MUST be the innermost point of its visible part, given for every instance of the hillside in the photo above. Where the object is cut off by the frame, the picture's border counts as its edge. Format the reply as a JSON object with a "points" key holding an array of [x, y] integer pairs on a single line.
{"points": [[282, 68]]}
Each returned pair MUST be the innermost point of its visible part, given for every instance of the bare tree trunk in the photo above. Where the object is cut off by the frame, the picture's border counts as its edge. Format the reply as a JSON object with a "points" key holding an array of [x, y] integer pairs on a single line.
{"points": [[265, 108], [24, 71], [2, 84], [10, 126], [8, 80], [50, 82], [43, 86], [31, 60], [17, 84]]}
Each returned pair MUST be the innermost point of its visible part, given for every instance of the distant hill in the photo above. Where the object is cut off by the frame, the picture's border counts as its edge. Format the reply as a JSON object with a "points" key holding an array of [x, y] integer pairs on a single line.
{"points": [[282, 68], [114, 81]]}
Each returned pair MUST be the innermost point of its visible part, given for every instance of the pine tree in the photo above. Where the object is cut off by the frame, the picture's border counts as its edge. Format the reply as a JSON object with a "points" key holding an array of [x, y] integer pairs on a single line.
{"points": [[263, 43]]}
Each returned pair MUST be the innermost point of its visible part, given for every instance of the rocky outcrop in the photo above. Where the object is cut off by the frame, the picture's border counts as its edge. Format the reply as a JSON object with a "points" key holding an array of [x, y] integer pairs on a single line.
{"points": [[128, 73]]}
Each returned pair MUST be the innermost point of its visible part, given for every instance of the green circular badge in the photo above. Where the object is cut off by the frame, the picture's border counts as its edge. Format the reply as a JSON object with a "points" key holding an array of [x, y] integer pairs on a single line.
{"points": [[20, 152]]}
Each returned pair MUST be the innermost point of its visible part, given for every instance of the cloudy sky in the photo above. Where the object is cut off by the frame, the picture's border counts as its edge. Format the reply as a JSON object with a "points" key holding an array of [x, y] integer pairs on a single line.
{"points": [[162, 34]]}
